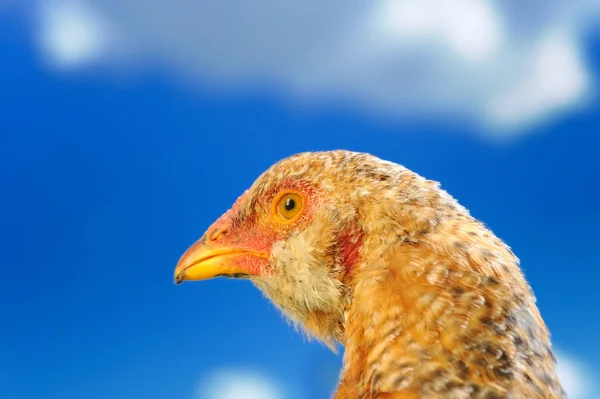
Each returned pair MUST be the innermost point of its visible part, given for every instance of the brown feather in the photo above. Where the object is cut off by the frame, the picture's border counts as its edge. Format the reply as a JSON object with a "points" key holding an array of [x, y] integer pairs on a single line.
{"points": [[428, 302]]}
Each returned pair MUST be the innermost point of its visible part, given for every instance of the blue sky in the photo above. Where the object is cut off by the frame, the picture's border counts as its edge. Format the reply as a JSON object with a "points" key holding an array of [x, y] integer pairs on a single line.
{"points": [[108, 176]]}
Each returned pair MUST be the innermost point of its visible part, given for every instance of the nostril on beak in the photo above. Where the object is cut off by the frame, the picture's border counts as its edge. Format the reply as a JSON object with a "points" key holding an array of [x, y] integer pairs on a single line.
{"points": [[216, 233]]}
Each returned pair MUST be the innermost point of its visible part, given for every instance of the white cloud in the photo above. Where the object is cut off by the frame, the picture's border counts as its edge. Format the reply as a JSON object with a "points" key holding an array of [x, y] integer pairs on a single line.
{"points": [[553, 78], [576, 377], [233, 384], [71, 33], [505, 64], [470, 28]]}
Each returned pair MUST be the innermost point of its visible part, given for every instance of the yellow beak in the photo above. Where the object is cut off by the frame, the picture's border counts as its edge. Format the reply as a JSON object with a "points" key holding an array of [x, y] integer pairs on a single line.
{"points": [[202, 262]]}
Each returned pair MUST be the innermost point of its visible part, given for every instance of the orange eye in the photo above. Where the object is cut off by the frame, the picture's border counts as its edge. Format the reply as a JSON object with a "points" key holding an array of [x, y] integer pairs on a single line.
{"points": [[289, 206]]}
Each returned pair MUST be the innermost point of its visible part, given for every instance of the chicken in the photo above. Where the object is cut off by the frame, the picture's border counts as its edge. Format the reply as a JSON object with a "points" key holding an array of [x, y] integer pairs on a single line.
{"points": [[359, 251]]}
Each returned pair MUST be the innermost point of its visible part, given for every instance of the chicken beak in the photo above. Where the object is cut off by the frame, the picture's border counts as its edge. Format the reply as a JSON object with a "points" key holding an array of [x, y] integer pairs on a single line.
{"points": [[202, 261]]}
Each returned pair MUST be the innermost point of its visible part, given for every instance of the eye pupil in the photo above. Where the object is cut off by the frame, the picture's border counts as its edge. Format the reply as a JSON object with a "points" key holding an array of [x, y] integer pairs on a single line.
{"points": [[290, 204]]}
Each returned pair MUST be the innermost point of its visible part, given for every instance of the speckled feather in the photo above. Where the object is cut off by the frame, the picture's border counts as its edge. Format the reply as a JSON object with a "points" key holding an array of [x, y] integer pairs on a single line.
{"points": [[427, 301]]}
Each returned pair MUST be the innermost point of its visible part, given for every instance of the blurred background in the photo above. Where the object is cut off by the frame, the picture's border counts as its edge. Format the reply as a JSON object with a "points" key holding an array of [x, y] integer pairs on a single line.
{"points": [[128, 126]]}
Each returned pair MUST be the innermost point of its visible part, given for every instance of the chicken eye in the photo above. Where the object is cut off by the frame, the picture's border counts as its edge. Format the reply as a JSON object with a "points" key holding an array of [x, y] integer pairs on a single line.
{"points": [[289, 206]]}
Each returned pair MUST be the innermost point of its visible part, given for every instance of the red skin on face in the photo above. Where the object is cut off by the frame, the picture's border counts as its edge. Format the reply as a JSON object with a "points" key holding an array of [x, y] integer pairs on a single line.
{"points": [[258, 231]]}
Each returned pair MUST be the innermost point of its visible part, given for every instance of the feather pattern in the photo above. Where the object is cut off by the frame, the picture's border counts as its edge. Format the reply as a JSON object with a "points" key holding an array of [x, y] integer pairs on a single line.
{"points": [[427, 301]]}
